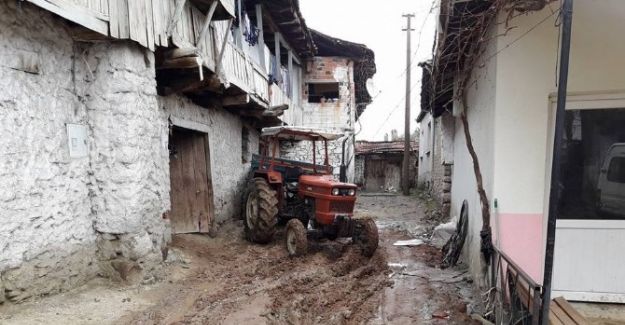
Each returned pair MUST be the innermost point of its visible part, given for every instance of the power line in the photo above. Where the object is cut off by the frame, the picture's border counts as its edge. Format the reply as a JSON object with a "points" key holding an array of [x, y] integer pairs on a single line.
{"points": [[394, 109]]}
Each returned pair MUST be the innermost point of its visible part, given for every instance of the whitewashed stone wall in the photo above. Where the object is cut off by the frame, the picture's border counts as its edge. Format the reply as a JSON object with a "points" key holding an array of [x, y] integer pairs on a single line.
{"points": [[129, 174], [224, 129], [65, 220], [303, 151], [47, 242]]}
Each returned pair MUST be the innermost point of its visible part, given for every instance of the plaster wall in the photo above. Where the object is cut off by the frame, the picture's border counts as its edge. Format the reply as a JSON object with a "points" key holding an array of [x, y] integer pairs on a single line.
{"points": [[481, 113], [524, 115]]}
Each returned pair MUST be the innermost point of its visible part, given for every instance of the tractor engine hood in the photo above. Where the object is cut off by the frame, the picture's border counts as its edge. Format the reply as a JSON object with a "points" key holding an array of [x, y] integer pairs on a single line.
{"points": [[324, 181]]}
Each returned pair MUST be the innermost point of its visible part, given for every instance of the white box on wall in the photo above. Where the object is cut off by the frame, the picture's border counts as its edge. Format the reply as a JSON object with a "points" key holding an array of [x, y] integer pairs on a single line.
{"points": [[77, 140]]}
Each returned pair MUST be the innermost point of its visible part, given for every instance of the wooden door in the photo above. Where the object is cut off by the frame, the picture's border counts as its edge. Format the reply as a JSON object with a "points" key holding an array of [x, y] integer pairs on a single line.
{"points": [[191, 188]]}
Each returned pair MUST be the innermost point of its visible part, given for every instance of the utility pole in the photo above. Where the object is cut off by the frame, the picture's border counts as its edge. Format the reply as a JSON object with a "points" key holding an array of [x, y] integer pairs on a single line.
{"points": [[406, 163]]}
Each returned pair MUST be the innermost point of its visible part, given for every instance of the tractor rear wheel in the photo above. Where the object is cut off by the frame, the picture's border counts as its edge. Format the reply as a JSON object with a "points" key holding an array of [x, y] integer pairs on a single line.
{"points": [[365, 235], [260, 211], [296, 238]]}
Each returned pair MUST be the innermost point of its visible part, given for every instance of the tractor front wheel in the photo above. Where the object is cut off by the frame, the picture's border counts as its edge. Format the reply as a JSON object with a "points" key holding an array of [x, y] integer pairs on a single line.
{"points": [[260, 211], [296, 238], [365, 235]]}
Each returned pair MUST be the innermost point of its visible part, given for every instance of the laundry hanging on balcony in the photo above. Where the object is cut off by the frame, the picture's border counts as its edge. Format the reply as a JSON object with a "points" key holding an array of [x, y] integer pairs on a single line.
{"points": [[250, 32]]}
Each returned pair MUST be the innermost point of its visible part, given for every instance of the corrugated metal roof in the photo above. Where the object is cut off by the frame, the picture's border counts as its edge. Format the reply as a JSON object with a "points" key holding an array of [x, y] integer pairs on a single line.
{"points": [[370, 147]]}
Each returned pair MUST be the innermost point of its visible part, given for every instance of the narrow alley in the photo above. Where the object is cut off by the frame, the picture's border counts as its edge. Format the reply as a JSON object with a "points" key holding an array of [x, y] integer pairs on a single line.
{"points": [[227, 280]]}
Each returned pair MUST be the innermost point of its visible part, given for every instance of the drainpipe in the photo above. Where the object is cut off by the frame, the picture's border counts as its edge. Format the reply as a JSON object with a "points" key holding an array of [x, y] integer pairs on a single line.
{"points": [[554, 193]]}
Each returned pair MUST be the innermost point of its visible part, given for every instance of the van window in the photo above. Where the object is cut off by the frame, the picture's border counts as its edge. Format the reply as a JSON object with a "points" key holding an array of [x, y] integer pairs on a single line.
{"points": [[616, 170]]}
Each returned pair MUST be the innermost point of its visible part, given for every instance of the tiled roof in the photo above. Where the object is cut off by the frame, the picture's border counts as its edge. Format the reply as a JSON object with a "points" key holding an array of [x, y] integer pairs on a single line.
{"points": [[369, 147]]}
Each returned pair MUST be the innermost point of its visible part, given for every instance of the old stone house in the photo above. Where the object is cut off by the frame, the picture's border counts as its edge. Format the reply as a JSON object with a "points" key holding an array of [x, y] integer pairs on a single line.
{"points": [[379, 165], [435, 157], [125, 121], [333, 98]]}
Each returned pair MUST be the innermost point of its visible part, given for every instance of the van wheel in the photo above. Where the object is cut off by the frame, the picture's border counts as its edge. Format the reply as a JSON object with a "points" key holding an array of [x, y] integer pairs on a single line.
{"points": [[260, 211]]}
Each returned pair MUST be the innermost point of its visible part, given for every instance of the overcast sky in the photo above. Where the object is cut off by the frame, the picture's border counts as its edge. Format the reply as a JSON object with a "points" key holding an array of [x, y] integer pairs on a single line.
{"points": [[379, 25]]}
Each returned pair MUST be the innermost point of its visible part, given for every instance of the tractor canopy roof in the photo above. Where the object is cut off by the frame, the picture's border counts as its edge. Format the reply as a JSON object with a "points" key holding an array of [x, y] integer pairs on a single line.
{"points": [[300, 133]]}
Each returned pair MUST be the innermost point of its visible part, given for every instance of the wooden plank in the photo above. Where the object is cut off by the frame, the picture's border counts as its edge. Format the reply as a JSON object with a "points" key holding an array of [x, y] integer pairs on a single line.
{"points": [[76, 14], [124, 19], [178, 208], [173, 22], [149, 24], [218, 64], [570, 311], [189, 222], [133, 22], [560, 314], [165, 18], [207, 21], [114, 19], [209, 183], [201, 182], [156, 21]]}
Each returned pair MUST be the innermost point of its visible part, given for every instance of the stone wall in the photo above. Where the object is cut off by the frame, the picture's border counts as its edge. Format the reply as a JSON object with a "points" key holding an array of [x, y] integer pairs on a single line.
{"points": [[66, 220], [128, 179], [436, 158], [224, 129], [303, 151], [47, 242], [359, 170]]}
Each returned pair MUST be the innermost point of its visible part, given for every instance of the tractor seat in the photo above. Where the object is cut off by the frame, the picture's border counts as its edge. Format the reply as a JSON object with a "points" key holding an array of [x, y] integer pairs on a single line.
{"points": [[292, 174]]}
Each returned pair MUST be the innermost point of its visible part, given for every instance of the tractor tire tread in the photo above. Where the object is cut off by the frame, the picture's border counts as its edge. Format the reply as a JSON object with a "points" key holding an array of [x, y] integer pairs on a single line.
{"points": [[366, 236], [296, 227], [264, 225]]}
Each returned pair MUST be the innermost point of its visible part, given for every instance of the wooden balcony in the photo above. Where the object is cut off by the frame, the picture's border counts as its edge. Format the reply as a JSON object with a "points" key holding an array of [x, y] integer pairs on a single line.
{"points": [[192, 40]]}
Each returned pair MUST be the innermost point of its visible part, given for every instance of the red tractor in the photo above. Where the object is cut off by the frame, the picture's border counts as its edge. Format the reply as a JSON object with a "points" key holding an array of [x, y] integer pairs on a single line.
{"points": [[304, 196]]}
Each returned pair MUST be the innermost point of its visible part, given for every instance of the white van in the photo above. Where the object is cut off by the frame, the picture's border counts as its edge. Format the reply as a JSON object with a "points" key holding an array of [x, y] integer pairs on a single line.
{"points": [[611, 184]]}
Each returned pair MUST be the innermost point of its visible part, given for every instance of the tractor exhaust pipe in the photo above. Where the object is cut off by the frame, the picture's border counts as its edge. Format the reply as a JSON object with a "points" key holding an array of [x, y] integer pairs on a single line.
{"points": [[343, 168]]}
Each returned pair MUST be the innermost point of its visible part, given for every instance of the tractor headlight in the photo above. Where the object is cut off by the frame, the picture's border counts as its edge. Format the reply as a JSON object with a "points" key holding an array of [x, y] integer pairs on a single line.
{"points": [[351, 192], [336, 191]]}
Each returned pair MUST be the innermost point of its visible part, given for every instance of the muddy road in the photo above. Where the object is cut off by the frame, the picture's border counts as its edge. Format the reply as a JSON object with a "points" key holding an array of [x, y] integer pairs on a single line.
{"points": [[226, 280]]}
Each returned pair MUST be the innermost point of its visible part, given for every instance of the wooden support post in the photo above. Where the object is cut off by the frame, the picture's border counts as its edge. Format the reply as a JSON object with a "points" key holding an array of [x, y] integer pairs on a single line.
{"points": [[207, 22], [223, 48], [176, 17], [277, 48], [290, 74], [261, 37]]}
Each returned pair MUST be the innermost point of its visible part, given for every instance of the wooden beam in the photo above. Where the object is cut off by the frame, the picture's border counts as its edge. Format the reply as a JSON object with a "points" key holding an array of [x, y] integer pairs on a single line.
{"points": [[223, 48], [238, 100], [188, 62], [209, 17], [261, 37], [77, 14], [277, 51], [176, 17], [290, 73], [181, 53]]}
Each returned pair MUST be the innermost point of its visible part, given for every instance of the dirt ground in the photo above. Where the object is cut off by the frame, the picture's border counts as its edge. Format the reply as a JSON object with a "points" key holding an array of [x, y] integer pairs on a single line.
{"points": [[226, 280]]}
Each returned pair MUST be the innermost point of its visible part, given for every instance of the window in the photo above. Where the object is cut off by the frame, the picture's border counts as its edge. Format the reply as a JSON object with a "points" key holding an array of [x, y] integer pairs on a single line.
{"points": [[592, 168], [616, 170], [327, 92], [245, 145]]}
